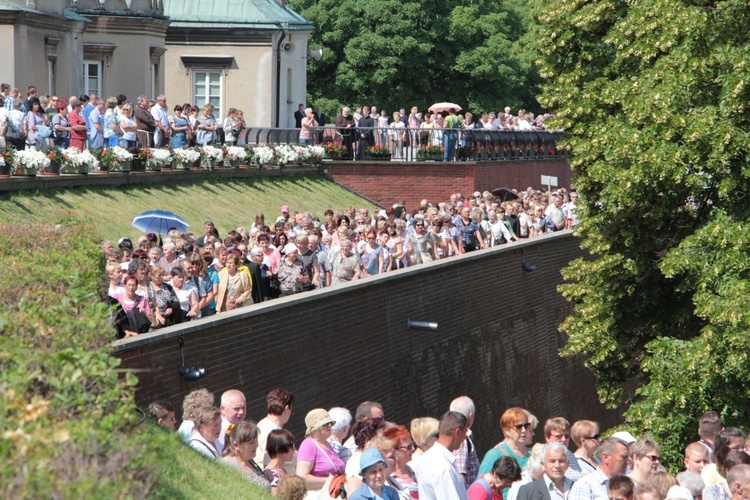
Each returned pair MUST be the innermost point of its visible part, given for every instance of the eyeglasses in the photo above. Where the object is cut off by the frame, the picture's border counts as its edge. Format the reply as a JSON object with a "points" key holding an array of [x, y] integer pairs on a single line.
{"points": [[525, 426], [54, 100], [418, 225], [653, 458], [594, 437], [410, 447]]}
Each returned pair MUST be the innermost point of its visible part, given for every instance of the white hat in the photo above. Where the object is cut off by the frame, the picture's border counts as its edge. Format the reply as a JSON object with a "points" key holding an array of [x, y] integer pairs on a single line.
{"points": [[289, 248], [679, 493], [625, 436]]}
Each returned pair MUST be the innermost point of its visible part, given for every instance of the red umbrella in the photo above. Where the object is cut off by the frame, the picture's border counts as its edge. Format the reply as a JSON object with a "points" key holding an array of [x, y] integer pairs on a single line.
{"points": [[444, 106]]}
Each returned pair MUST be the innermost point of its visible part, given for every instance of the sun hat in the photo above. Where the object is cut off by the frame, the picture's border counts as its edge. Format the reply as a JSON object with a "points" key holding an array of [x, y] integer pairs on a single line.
{"points": [[317, 418], [370, 457], [679, 493], [625, 436]]}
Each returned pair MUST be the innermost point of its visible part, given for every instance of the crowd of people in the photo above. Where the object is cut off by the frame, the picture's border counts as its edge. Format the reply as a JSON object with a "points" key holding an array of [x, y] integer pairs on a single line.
{"points": [[403, 132], [89, 122], [366, 456], [184, 277]]}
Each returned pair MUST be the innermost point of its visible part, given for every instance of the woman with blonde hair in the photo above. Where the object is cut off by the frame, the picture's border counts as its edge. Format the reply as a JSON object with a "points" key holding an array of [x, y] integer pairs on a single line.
{"points": [[128, 127], [424, 432], [205, 127], [207, 429], [291, 488], [190, 405], [235, 289], [241, 443]]}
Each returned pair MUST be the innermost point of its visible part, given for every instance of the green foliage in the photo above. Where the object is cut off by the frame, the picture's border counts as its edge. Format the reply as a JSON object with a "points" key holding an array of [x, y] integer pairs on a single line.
{"points": [[653, 96], [416, 52]]}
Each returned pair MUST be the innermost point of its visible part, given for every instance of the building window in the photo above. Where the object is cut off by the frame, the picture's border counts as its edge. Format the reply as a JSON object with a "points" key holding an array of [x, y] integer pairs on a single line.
{"points": [[51, 76], [207, 89], [92, 77]]}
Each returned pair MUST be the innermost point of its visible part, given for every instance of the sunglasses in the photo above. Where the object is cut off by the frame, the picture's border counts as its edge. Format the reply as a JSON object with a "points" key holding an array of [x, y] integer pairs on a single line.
{"points": [[525, 426], [595, 436]]}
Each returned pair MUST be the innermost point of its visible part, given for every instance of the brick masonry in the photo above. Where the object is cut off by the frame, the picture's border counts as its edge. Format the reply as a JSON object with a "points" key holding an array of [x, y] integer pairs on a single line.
{"points": [[388, 182], [497, 341]]}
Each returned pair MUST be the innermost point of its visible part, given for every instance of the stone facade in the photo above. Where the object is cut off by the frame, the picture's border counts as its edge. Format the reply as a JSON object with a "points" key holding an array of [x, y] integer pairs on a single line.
{"points": [[249, 54]]}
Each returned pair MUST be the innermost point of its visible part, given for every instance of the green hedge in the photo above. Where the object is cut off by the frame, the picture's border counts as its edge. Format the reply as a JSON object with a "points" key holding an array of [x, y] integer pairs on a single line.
{"points": [[67, 412]]}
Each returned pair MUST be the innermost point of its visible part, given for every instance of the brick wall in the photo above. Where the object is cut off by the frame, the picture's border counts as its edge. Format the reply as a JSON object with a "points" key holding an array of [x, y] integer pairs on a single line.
{"points": [[388, 182], [497, 341]]}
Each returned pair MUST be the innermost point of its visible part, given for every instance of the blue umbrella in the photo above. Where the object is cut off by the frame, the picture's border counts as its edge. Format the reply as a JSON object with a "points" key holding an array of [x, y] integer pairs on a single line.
{"points": [[159, 222]]}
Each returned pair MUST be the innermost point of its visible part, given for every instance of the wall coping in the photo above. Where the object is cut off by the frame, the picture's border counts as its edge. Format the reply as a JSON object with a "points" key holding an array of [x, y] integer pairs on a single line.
{"points": [[216, 320]]}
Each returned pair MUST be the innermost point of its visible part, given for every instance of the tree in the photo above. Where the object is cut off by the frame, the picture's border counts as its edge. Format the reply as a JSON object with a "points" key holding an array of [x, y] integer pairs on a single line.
{"points": [[653, 97], [415, 52]]}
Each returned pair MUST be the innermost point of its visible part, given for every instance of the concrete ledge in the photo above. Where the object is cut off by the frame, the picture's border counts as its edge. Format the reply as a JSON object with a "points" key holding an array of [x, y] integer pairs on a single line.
{"points": [[249, 312], [133, 178]]}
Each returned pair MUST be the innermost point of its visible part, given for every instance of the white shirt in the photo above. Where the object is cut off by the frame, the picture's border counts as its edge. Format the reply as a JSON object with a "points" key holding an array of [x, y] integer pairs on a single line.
{"points": [[438, 477], [554, 492], [160, 115], [265, 426]]}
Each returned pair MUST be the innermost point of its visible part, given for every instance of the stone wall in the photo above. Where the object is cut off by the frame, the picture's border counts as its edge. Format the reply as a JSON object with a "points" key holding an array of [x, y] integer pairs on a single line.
{"points": [[497, 341]]}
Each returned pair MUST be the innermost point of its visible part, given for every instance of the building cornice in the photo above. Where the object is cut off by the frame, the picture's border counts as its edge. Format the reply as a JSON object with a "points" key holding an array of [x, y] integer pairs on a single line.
{"points": [[41, 21], [127, 25]]}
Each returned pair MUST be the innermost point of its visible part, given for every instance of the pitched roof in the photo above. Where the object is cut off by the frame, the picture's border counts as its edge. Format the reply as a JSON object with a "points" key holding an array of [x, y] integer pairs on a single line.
{"points": [[258, 14]]}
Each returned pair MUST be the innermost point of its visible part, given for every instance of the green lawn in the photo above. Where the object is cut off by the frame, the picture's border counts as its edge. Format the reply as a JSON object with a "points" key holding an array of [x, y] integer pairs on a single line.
{"points": [[230, 203]]}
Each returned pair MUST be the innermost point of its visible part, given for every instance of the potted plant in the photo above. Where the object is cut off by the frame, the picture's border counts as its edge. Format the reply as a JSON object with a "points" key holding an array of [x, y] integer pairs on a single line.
{"points": [[234, 156], [7, 155], [29, 162], [317, 153], [263, 156], [116, 159], [211, 157], [159, 159], [334, 151], [185, 158], [377, 153], [430, 153], [89, 163], [249, 157], [286, 154], [56, 158]]}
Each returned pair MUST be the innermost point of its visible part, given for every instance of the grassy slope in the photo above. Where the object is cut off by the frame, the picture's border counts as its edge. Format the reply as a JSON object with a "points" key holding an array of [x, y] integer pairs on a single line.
{"points": [[229, 203]]}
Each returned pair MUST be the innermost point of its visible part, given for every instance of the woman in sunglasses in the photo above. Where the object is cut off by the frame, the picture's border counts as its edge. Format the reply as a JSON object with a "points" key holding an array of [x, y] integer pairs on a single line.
{"points": [[585, 434], [515, 425], [402, 477]]}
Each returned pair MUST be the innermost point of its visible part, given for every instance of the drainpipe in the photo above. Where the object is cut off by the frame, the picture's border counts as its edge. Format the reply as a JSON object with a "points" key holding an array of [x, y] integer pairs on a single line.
{"points": [[283, 28]]}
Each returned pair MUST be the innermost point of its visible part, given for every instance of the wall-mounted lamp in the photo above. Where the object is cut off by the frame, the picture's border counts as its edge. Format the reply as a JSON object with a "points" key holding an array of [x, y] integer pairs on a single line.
{"points": [[422, 325], [191, 373], [316, 54]]}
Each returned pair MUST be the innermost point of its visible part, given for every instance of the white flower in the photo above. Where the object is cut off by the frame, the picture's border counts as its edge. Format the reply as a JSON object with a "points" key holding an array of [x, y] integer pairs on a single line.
{"points": [[2, 161], [184, 155], [121, 154], [264, 154], [286, 154], [236, 153], [30, 158], [212, 152], [86, 158], [161, 157], [317, 151]]}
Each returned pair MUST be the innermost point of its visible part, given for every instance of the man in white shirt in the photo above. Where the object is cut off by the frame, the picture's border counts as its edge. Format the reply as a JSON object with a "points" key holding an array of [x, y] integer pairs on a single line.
{"points": [[233, 410], [279, 403], [438, 476], [553, 485], [159, 112], [613, 455]]}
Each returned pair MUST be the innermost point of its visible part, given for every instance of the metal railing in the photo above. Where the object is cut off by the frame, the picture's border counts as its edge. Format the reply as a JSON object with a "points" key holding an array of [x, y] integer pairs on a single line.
{"points": [[422, 144]]}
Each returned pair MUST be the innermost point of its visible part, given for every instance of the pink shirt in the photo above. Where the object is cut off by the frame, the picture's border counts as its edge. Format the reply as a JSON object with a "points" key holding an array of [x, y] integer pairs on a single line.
{"points": [[324, 460]]}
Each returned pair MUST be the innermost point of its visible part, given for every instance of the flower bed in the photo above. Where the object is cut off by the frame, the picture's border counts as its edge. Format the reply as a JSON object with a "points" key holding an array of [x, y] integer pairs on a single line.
{"points": [[185, 158], [116, 159], [29, 162]]}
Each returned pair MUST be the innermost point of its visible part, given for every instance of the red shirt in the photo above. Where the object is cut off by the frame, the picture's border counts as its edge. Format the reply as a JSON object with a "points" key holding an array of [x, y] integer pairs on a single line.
{"points": [[77, 137]]}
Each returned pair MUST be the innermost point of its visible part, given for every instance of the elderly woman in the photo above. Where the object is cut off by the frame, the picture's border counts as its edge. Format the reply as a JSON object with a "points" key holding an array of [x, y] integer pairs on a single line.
{"points": [[316, 459], [505, 471], [424, 432], [644, 455], [515, 426], [136, 307], [139, 268], [291, 272], [190, 405], [207, 420], [585, 434], [239, 451], [61, 125], [235, 289], [163, 299], [374, 478], [401, 476], [280, 449], [345, 265], [264, 285], [128, 127], [187, 296], [305, 133], [363, 432], [112, 132]]}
